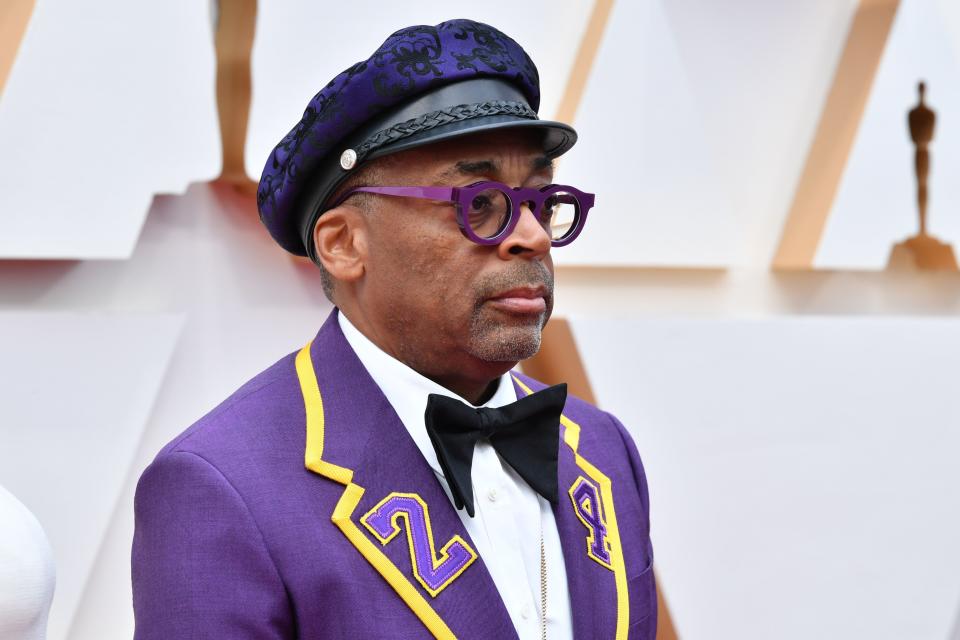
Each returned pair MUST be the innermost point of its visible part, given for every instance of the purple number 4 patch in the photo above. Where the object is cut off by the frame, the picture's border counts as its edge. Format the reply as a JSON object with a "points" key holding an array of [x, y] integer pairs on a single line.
{"points": [[588, 505], [432, 570]]}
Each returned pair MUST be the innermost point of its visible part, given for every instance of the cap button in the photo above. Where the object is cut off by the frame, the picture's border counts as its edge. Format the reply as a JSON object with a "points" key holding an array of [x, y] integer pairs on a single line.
{"points": [[348, 159]]}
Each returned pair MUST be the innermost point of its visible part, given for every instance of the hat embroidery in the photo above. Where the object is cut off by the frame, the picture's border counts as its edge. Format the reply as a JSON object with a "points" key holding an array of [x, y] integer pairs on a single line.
{"points": [[414, 50]]}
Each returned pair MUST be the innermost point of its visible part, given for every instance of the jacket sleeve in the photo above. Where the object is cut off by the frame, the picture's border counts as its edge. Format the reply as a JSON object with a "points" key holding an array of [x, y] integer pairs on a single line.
{"points": [[637, 467], [200, 567], [643, 586]]}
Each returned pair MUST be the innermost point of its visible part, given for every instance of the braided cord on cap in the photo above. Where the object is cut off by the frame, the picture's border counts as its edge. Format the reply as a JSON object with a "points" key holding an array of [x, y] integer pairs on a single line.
{"points": [[439, 118]]}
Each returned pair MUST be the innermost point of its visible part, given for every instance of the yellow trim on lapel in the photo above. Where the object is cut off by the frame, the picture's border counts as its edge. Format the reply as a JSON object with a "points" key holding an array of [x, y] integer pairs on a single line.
{"points": [[571, 437], [313, 459], [313, 402]]}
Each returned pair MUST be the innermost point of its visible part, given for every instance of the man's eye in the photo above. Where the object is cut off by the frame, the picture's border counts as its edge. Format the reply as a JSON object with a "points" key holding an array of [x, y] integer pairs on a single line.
{"points": [[480, 203]]}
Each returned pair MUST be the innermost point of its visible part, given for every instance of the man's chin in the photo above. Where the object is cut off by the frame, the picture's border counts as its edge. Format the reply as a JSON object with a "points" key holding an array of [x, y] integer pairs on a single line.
{"points": [[507, 344]]}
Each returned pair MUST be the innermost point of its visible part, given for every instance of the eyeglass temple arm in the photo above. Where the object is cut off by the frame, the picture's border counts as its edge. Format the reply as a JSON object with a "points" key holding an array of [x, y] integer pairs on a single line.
{"points": [[430, 193]]}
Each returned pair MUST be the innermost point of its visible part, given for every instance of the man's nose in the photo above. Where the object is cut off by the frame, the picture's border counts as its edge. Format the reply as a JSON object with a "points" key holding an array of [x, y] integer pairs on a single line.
{"points": [[528, 238]]}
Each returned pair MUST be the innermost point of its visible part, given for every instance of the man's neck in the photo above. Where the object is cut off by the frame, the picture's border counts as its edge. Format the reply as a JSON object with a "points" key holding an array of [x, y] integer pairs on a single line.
{"points": [[476, 391], [482, 398]]}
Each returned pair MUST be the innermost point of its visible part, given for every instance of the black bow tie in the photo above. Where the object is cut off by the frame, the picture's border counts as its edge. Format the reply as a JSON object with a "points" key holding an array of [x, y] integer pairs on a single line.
{"points": [[525, 433]]}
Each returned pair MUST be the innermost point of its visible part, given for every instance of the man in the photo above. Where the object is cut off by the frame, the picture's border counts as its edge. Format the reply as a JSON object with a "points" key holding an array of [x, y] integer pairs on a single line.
{"points": [[355, 489]]}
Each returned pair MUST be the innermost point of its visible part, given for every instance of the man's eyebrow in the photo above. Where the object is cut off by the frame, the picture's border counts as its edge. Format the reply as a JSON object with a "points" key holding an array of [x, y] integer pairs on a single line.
{"points": [[468, 168], [542, 162], [490, 167]]}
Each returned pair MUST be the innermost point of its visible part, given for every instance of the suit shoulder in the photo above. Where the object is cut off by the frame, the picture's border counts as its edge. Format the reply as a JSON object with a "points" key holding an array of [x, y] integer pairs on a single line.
{"points": [[260, 405], [594, 422]]}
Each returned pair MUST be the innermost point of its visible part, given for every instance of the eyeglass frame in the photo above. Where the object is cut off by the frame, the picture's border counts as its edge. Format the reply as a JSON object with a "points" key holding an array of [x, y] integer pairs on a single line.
{"points": [[461, 198]]}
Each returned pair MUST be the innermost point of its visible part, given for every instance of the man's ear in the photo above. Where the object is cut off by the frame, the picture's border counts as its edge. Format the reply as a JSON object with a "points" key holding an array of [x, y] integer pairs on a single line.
{"points": [[340, 242]]}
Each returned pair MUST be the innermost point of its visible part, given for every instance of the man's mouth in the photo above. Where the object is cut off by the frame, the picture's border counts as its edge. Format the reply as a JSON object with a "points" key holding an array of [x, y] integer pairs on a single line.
{"points": [[521, 300]]}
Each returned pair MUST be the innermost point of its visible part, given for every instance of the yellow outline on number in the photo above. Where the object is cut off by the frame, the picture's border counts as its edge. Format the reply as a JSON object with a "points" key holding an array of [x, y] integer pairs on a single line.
{"points": [[444, 551]]}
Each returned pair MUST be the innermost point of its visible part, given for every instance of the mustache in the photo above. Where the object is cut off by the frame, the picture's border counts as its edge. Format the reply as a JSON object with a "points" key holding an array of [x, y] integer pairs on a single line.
{"points": [[520, 274]]}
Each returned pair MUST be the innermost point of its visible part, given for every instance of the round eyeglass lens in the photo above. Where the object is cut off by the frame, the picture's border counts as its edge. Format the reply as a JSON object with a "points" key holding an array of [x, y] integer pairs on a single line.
{"points": [[561, 212], [489, 213]]}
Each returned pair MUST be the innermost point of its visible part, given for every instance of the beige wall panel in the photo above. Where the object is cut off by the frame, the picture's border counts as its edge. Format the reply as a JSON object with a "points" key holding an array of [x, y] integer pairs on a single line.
{"points": [[836, 130], [14, 17]]}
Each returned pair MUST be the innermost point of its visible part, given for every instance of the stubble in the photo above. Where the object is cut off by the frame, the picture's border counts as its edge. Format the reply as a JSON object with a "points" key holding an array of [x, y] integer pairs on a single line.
{"points": [[498, 337]]}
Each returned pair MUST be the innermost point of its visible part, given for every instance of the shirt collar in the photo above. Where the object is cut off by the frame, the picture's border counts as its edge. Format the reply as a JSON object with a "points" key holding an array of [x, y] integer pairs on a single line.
{"points": [[407, 391]]}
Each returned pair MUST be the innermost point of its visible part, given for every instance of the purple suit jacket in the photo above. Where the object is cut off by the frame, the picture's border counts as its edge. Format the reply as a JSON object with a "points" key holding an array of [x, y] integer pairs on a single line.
{"points": [[301, 508]]}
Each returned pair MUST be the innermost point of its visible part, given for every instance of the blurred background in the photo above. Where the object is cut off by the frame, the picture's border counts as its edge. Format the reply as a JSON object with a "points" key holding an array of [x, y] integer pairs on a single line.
{"points": [[791, 388]]}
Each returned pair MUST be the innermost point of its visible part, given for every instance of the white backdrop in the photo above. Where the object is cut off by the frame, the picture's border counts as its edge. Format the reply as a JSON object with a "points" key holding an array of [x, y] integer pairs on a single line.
{"points": [[803, 473], [106, 105]]}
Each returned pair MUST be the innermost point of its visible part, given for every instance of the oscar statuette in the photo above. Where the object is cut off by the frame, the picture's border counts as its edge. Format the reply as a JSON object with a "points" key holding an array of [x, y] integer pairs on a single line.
{"points": [[922, 251]]}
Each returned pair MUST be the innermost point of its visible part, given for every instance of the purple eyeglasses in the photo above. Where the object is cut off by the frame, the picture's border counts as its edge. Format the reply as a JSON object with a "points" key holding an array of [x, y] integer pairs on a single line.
{"points": [[488, 212]]}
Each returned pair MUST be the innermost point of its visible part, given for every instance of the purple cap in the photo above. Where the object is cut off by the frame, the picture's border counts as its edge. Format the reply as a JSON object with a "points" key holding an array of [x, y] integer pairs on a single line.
{"points": [[422, 85]]}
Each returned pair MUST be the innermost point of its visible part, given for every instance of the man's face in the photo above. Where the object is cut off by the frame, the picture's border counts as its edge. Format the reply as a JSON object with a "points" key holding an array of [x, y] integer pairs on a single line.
{"points": [[436, 300]]}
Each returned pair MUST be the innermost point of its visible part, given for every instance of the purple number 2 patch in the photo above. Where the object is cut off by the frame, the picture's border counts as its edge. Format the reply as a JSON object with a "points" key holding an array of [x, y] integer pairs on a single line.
{"points": [[588, 505], [431, 570]]}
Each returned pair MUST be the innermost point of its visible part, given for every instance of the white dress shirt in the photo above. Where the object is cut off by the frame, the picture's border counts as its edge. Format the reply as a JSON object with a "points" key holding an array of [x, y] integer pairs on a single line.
{"points": [[509, 514]]}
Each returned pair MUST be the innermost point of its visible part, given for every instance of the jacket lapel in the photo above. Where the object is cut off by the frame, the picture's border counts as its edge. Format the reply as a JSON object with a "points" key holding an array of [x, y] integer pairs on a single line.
{"points": [[589, 535], [393, 509]]}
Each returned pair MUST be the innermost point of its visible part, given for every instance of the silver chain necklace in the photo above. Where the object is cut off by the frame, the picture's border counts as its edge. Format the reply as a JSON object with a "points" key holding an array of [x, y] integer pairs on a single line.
{"points": [[543, 586]]}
